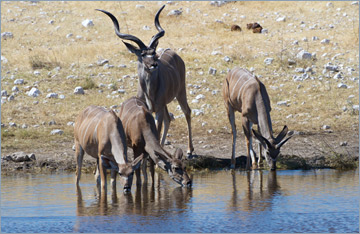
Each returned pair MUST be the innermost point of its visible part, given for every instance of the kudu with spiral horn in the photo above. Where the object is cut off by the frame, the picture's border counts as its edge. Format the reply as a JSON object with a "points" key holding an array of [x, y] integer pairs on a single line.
{"points": [[161, 77]]}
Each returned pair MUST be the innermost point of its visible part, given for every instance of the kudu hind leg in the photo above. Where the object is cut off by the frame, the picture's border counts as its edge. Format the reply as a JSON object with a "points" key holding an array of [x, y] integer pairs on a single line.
{"points": [[187, 111], [166, 121]]}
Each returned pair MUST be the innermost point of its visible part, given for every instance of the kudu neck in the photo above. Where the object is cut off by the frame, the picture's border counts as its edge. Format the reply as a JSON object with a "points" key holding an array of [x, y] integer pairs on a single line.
{"points": [[264, 119]]}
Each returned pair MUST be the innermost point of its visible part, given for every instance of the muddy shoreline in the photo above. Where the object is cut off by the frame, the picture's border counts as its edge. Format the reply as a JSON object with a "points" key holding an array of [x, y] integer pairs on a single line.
{"points": [[303, 151]]}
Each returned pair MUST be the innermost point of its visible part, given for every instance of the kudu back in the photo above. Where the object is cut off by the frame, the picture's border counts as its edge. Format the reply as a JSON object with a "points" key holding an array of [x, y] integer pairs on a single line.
{"points": [[244, 92], [99, 133], [161, 77], [142, 137]]}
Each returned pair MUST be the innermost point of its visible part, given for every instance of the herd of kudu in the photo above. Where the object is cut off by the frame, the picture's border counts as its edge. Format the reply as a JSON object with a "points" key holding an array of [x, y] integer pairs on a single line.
{"points": [[105, 135]]}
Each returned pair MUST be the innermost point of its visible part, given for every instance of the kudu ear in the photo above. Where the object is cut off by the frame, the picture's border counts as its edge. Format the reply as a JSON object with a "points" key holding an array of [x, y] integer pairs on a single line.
{"points": [[162, 161], [178, 154], [281, 135], [137, 162], [283, 142], [132, 48], [263, 141]]}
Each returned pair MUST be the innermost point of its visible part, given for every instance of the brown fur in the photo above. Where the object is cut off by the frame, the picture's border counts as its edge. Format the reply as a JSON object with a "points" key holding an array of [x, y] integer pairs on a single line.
{"points": [[142, 137], [99, 133], [244, 92]]}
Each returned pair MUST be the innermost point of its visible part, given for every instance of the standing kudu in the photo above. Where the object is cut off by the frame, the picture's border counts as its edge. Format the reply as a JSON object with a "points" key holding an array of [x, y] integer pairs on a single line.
{"points": [[243, 92], [142, 137], [99, 133], [161, 78]]}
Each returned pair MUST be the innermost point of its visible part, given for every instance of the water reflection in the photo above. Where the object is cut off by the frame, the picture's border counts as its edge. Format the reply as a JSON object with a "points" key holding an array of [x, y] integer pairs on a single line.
{"points": [[147, 200], [256, 196]]}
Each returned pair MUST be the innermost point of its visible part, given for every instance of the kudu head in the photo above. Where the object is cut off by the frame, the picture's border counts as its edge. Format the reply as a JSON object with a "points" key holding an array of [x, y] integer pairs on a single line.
{"points": [[272, 146], [176, 169], [126, 172], [147, 57]]}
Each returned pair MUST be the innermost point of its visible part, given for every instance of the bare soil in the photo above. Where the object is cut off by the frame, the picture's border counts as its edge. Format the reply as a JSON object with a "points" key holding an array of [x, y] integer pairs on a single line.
{"points": [[303, 151]]}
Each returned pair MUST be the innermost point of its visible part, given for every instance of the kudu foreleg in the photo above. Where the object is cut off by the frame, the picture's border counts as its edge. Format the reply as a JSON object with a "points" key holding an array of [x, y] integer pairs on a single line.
{"points": [[159, 118], [166, 125], [247, 125], [231, 116], [79, 155]]}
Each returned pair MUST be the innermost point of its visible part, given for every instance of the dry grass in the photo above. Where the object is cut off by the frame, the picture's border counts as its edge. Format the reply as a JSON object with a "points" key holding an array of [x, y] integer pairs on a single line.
{"points": [[43, 46]]}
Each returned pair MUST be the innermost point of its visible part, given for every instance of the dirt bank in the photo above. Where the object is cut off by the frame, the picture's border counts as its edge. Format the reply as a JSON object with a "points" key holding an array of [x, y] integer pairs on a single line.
{"points": [[303, 151]]}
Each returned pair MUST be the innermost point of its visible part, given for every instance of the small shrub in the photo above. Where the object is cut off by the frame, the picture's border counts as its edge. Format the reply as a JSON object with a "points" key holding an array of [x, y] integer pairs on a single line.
{"points": [[37, 62], [88, 84]]}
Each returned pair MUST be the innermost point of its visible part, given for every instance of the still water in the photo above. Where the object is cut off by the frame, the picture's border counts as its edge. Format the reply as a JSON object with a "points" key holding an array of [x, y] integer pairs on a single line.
{"points": [[256, 201]]}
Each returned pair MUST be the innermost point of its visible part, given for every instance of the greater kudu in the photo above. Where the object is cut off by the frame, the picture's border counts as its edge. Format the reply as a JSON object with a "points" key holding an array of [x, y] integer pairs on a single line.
{"points": [[99, 133], [244, 92], [142, 137], [161, 77]]}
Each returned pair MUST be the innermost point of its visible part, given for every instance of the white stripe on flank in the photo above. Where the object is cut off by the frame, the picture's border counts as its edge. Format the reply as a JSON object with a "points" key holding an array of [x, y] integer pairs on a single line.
{"points": [[87, 128], [238, 96], [234, 87]]}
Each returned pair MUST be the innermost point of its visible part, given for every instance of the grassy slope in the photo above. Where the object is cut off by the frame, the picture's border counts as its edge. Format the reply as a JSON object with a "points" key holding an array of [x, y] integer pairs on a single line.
{"points": [[37, 42]]}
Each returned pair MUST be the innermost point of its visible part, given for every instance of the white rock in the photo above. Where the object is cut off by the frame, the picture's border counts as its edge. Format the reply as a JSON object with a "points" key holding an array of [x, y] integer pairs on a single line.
{"points": [[299, 70], [52, 95], [325, 41], [146, 28], [303, 55], [268, 61], [37, 73], [356, 3], [227, 59], [355, 107], [338, 76], [15, 89], [139, 6], [7, 35], [79, 90], [200, 96], [10, 98], [281, 19], [3, 59], [62, 96], [88, 23], [34, 92], [282, 103], [69, 35], [326, 127], [174, 12], [212, 71], [342, 86], [216, 52], [329, 4], [56, 132], [19, 81], [4, 93]]}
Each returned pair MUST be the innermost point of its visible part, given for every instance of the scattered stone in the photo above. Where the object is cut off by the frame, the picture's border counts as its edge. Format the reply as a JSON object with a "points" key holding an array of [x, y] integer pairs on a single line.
{"points": [[216, 52], [303, 55], [3, 59], [174, 12], [12, 124], [139, 6], [4, 93], [7, 35], [56, 132], [79, 90], [342, 86], [291, 62], [146, 28], [102, 62], [200, 96], [70, 123], [87, 23], [212, 71], [52, 122], [326, 127], [19, 81], [69, 35], [282, 103], [34, 92], [330, 67], [325, 41], [299, 70], [227, 59], [11, 98], [281, 19], [52, 95], [14, 89], [268, 61], [343, 143]]}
